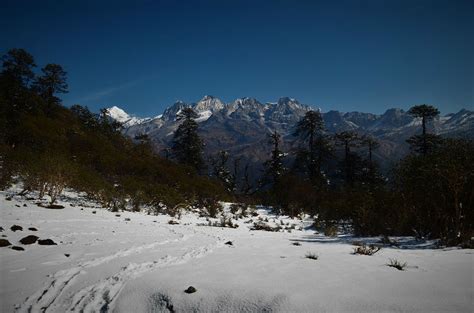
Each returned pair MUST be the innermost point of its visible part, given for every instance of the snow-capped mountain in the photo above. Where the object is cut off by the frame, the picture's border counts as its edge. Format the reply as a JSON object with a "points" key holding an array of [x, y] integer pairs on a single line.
{"points": [[124, 118], [242, 126]]}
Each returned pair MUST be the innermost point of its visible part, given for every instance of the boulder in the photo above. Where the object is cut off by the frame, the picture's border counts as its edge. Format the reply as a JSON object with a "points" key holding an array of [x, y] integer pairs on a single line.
{"points": [[16, 227], [46, 242], [28, 240], [190, 289], [18, 248], [4, 243]]}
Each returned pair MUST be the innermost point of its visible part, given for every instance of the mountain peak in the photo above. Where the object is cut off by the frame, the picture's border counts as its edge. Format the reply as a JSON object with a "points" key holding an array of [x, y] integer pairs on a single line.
{"points": [[118, 114], [209, 103]]}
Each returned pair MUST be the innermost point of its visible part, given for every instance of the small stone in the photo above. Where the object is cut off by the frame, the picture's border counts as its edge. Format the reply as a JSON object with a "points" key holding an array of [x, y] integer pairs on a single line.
{"points": [[296, 244], [46, 242], [28, 240], [24, 205], [67, 255], [4, 243], [229, 243], [16, 227], [8, 198], [33, 229], [17, 205], [117, 215], [1, 228], [18, 248], [190, 289], [127, 219], [94, 212]]}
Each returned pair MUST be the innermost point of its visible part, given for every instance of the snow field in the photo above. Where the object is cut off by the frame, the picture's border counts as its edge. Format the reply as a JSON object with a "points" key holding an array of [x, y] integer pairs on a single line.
{"points": [[145, 264]]}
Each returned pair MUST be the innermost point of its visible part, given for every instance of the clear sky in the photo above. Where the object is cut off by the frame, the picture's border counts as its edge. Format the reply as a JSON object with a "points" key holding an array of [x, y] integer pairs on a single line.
{"points": [[364, 55]]}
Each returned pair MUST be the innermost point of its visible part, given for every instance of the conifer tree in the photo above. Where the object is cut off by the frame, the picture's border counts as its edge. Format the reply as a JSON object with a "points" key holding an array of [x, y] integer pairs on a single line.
{"points": [[221, 171], [425, 142], [372, 169], [310, 130], [187, 145], [348, 140], [53, 81], [274, 166], [18, 64]]}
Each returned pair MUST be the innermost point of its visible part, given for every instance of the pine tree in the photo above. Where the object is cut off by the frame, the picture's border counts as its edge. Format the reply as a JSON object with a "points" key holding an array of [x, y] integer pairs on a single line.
{"points": [[351, 162], [372, 168], [425, 142], [187, 145], [310, 130], [220, 170], [18, 64], [53, 81], [274, 166]]}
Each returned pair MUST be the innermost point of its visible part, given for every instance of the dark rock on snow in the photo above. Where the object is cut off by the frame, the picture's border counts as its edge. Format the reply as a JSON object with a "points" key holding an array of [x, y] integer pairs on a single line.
{"points": [[18, 248], [46, 242], [4, 243], [16, 227], [190, 289], [33, 229], [28, 240]]}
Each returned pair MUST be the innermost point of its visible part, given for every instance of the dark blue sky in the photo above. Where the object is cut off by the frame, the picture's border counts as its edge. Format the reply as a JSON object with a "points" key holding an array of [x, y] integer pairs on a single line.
{"points": [[345, 55]]}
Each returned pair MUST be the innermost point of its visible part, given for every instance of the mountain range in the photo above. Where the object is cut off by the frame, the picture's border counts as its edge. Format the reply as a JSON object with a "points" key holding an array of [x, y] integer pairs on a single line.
{"points": [[242, 126]]}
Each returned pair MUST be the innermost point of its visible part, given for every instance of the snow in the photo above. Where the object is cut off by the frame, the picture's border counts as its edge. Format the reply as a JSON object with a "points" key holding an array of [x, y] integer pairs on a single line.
{"points": [[203, 116], [145, 264], [123, 117]]}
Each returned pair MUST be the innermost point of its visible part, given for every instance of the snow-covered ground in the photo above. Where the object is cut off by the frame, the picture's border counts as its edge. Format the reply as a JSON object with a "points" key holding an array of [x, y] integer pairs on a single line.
{"points": [[139, 263]]}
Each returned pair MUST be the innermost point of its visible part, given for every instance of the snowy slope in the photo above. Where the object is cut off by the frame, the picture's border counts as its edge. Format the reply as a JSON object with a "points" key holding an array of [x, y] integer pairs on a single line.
{"points": [[144, 265]]}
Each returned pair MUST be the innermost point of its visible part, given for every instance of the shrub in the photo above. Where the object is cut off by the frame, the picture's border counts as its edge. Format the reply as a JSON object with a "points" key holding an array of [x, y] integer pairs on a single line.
{"points": [[366, 250], [397, 264], [311, 256], [330, 230], [264, 226]]}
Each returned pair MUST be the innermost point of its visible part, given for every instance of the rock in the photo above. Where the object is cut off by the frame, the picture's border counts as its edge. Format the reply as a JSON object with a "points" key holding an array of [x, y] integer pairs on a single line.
{"points": [[67, 255], [127, 219], [18, 248], [46, 242], [190, 289], [50, 206], [16, 227], [229, 243], [8, 198], [28, 240], [173, 222], [24, 205], [4, 243], [33, 229], [117, 215], [1, 228], [94, 212], [17, 205], [296, 244]]}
